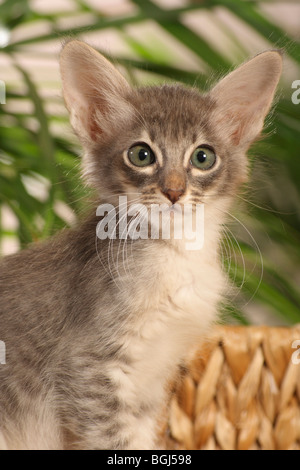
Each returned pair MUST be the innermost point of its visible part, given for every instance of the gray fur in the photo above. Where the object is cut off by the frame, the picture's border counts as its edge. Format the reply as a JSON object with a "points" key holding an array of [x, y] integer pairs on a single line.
{"points": [[92, 342]]}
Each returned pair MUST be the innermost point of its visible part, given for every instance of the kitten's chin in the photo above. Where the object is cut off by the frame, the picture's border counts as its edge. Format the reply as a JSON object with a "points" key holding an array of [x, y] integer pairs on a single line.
{"points": [[172, 209]]}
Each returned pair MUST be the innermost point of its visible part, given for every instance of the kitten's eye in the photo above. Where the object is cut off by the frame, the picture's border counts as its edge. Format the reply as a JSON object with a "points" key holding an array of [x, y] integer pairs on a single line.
{"points": [[203, 158], [141, 155]]}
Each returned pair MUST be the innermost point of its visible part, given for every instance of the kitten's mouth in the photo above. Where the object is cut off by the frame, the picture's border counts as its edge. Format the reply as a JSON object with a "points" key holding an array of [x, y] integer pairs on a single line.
{"points": [[175, 209], [169, 207]]}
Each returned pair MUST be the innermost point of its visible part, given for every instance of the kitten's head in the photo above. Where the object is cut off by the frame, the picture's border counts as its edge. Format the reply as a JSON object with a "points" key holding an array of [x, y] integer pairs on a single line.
{"points": [[169, 143]]}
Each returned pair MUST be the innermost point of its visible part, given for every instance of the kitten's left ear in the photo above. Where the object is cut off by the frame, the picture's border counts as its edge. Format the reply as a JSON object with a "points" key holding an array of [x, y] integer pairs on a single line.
{"points": [[94, 92], [244, 97]]}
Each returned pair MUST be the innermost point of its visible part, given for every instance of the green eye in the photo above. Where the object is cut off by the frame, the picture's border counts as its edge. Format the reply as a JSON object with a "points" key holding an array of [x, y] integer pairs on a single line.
{"points": [[141, 155], [203, 158]]}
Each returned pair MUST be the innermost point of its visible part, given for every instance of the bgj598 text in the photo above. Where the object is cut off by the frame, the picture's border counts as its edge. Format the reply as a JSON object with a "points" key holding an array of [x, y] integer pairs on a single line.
{"points": [[169, 459]]}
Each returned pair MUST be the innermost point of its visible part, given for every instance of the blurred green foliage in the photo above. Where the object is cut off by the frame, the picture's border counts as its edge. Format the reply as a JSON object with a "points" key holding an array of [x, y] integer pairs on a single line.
{"points": [[261, 248]]}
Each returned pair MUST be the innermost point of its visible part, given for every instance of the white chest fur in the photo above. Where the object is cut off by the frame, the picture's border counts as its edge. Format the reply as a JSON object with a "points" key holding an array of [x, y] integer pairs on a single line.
{"points": [[171, 314]]}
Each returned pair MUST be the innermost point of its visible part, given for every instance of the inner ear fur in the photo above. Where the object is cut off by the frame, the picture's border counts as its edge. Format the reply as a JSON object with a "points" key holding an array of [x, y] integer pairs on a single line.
{"points": [[94, 91], [244, 97]]}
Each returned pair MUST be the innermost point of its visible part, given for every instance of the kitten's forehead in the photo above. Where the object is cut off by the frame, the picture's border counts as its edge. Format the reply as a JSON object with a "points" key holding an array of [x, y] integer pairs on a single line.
{"points": [[175, 116]]}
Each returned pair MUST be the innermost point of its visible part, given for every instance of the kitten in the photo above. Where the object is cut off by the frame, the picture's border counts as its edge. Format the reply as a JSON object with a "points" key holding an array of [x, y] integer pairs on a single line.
{"points": [[94, 331]]}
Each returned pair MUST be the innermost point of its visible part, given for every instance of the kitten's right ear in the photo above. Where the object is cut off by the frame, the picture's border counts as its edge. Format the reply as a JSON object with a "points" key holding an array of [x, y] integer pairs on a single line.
{"points": [[94, 91]]}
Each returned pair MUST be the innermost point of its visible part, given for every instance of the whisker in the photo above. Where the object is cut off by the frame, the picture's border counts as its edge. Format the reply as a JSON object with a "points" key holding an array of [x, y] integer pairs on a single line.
{"points": [[226, 247], [243, 261], [274, 211], [114, 262], [257, 248], [109, 271]]}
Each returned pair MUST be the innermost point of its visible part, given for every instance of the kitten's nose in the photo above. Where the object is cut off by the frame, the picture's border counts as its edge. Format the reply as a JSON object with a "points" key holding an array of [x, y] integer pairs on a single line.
{"points": [[173, 194]]}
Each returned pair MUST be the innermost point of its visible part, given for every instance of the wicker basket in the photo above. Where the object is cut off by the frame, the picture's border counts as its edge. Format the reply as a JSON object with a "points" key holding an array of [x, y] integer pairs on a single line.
{"points": [[241, 390]]}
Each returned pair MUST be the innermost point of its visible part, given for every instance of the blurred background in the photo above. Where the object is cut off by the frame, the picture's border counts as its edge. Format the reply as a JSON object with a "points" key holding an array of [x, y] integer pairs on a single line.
{"points": [[192, 41]]}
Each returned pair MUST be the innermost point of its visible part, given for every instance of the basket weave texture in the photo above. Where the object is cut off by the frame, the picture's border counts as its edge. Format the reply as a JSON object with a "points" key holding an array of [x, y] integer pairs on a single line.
{"points": [[240, 390]]}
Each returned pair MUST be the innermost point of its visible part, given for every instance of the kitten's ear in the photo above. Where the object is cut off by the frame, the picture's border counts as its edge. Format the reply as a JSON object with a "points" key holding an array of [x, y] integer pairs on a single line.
{"points": [[244, 97], [94, 91]]}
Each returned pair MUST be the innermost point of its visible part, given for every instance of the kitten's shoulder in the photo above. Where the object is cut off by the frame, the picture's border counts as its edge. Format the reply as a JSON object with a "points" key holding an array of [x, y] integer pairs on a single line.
{"points": [[49, 262]]}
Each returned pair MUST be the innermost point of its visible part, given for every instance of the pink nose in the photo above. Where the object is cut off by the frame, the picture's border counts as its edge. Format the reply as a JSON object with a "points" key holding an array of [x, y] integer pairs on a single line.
{"points": [[173, 194]]}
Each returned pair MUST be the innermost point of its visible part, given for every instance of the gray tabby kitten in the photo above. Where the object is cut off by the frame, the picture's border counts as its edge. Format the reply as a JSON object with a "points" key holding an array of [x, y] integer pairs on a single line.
{"points": [[94, 331]]}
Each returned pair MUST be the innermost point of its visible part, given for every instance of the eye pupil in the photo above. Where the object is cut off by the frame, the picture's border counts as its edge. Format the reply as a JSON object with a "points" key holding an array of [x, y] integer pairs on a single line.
{"points": [[201, 156], [143, 154]]}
